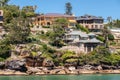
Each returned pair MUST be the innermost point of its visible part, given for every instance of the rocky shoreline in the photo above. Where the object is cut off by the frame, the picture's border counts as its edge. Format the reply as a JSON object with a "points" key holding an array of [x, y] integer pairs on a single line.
{"points": [[65, 71], [19, 67]]}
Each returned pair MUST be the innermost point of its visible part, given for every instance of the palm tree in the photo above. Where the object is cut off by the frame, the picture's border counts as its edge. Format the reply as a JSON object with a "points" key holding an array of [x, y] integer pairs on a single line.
{"points": [[105, 34]]}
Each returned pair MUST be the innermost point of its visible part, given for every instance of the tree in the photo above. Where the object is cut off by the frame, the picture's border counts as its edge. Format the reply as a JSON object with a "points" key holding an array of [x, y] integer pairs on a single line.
{"points": [[68, 8], [19, 31], [58, 32], [109, 19], [113, 23], [110, 37], [80, 27], [3, 2], [10, 12], [101, 38], [29, 10], [5, 49], [61, 22], [105, 32], [116, 23]]}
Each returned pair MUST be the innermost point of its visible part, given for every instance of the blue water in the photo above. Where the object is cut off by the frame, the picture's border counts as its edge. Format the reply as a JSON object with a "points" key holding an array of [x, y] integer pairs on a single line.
{"points": [[65, 77]]}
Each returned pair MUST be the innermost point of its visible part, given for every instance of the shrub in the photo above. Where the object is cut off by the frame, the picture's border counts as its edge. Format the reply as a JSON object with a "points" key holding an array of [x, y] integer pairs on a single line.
{"points": [[46, 26], [101, 38], [78, 26], [5, 51], [67, 54], [110, 37]]}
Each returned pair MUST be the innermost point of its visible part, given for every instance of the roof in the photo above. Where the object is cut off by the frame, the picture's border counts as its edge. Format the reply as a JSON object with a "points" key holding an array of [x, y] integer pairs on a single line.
{"points": [[94, 40], [115, 30], [78, 33], [57, 15], [88, 17], [91, 34]]}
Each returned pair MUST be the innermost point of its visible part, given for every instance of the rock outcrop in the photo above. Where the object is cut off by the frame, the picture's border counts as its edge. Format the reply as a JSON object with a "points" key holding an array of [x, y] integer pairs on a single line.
{"points": [[18, 65], [2, 65]]}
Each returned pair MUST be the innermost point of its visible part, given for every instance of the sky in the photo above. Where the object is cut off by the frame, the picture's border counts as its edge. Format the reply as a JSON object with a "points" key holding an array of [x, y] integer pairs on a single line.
{"points": [[102, 8]]}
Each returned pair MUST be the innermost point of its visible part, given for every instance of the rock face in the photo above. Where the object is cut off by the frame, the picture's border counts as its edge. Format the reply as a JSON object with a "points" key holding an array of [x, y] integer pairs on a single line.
{"points": [[18, 65], [48, 63], [106, 67], [2, 65]]}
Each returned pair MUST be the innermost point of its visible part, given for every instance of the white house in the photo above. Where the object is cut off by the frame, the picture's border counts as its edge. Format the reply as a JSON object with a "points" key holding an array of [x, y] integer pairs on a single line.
{"points": [[81, 42]]}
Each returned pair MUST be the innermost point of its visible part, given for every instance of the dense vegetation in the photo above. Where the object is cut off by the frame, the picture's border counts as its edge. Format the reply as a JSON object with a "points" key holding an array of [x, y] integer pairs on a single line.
{"points": [[17, 24]]}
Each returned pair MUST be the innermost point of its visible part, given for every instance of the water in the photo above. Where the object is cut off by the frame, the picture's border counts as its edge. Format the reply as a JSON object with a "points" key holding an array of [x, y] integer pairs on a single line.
{"points": [[65, 77]]}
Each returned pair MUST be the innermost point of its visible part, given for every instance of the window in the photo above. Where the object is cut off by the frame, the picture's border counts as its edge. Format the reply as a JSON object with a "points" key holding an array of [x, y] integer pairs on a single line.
{"points": [[92, 26], [96, 26], [101, 26], [38, 19], [48, 23], [87, 26]]}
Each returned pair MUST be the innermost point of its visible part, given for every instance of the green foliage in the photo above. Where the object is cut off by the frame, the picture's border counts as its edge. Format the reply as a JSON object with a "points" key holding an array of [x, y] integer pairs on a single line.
{"points": [[47, 56], [46, 26], [33, 54], [29, 10], [18, 32], [112, 43], [113, 59], [57, 43], [67, 54], [4, 2], [58, 32], [46, 49], [71, 60], [114, 23], [80, 27], [102, 50], [110, 37], [1, 59], [94, 58], [68, 8], [101, 38], [61, 22], [5, 50]]}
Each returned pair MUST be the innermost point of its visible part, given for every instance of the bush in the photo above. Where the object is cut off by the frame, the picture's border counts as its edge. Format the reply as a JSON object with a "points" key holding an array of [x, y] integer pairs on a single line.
{"points": [[46, 26], [5, 51], [80, 27], [101, 38], [110, 37], [57, 43], [1, 59], [67, 54]]}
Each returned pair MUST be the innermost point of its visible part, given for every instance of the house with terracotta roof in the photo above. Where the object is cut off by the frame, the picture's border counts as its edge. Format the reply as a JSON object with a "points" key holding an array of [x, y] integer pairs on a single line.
{"points": [[49, 18], [81, 42]]}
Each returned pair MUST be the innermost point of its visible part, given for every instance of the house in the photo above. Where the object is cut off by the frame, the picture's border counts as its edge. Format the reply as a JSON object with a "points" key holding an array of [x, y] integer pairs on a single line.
{"points": [[93, 23], [116, 33], [49, 18], [81, 42]]}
